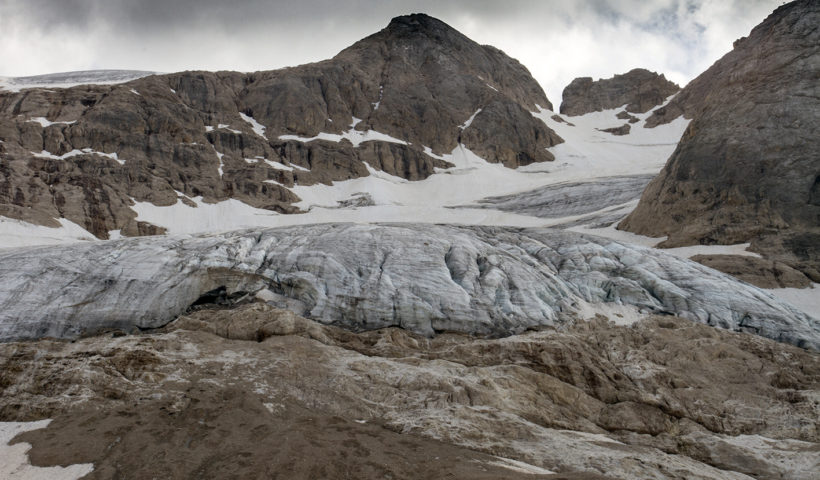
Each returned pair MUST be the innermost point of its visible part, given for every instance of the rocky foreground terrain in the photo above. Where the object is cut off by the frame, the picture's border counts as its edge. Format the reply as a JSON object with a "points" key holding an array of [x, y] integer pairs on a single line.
{"points": [[256, 392], [747, 169]]}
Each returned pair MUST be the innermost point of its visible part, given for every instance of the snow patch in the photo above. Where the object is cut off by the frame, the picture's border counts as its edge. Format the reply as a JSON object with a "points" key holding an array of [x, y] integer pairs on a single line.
{"points": [[14, 462], [257, 127], [805, 299], [44, 122], [17, 233], [520, 467], [135, 92], [469, 120], [228, 128], [356, 137]]}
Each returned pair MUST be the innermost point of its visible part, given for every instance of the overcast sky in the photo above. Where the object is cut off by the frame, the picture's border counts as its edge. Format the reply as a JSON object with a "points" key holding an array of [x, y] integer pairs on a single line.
{"points": [[557, 40]]}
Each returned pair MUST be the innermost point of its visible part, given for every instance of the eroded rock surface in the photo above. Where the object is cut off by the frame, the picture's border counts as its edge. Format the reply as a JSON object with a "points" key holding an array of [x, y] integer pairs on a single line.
{"points": [[639, 89], [257, 391], [747, 168], [425, 278], [85, 153]]}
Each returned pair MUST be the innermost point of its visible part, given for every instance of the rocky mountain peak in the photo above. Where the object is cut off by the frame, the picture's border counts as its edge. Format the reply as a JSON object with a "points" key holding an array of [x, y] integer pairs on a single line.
{"points": [[746, 170], [398, 101], [415, 23], [639, 89]]}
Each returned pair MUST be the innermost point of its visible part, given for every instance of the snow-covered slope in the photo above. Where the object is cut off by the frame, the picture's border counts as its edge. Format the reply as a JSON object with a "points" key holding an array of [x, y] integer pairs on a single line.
{"points": [[587, 156]]}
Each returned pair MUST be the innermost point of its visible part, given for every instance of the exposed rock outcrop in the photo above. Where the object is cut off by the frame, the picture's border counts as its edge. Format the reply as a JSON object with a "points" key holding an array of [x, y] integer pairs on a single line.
{"points": [[747, 168], [428, 279], [84, 153], [638, 89], [757, 271], [206, 395], [618, 131]]}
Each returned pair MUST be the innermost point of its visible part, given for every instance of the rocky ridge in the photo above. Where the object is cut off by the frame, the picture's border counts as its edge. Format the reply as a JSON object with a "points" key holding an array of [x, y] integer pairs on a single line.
{"points": [[639, 89], [428, 279], [747, 167], [86, 153]]}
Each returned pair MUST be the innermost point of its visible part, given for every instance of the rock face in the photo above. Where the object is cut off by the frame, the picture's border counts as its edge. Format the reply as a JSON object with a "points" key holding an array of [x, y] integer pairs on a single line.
{"points": [[757, 271], [426, 279], [84, 153], [638, 89], [747, 168], [647, 401]]}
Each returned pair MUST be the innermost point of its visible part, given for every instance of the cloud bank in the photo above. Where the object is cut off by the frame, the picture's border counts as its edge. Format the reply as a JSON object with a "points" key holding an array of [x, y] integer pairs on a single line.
{"points": [[557, 40]]}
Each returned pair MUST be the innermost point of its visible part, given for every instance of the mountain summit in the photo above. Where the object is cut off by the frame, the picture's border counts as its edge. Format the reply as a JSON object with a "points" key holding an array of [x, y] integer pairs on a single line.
{"points": [[396, 101]]}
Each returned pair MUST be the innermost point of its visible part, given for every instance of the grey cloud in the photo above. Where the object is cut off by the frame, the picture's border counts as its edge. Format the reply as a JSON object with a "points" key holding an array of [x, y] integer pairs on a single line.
{"points": [[56, 35]]}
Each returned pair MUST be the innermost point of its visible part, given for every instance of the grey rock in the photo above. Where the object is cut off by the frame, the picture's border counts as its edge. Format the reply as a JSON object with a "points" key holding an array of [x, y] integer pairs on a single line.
{"points": [[638, 89], [747, 169], [622, 130], [427, 279], [623, 115]]}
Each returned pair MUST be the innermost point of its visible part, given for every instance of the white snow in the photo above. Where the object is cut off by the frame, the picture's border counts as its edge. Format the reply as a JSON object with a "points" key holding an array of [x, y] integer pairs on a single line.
{"points": [[355, 137], [491, 86], [45, 154], [379, 102], [257, 127], [520, 467], [14, 463], [278, 165], [75, 152], [135, 92], [45, 122], [17, 233], [805, 299], [228, 128], [209, 128], [590, 153], [469, 120], [219, 156], [682, 252]]}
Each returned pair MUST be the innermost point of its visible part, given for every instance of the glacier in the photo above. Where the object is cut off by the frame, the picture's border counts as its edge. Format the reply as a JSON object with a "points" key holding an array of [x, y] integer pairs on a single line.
{"points": [[481, 280]]}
